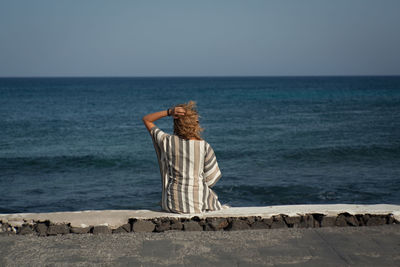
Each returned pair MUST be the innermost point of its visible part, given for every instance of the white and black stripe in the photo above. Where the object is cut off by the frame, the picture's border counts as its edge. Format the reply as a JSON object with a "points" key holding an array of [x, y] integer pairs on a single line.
{"points": [[188, 169]]}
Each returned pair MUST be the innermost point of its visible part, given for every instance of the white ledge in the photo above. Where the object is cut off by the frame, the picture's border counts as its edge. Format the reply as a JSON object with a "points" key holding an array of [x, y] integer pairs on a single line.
{"points": [[116, 218]]}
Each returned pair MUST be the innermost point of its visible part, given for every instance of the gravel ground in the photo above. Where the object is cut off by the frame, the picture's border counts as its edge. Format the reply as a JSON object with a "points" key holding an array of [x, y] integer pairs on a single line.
{"points": [[336, 246]]}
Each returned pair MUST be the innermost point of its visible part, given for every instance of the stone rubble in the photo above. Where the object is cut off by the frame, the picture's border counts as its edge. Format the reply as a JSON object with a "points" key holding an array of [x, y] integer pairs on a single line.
{"points": [[47, 228]]}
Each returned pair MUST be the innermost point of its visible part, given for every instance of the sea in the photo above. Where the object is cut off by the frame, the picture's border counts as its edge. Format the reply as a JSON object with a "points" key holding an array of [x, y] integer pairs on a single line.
{"points": [[71, 144]]}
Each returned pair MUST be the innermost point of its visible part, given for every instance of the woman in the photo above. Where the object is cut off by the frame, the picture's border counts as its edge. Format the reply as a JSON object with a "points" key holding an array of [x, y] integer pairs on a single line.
{"points": [[188, 165]]}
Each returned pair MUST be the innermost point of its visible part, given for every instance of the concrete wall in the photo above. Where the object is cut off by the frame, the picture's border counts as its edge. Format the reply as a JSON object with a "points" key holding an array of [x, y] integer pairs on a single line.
{"points": [[109, 221]]}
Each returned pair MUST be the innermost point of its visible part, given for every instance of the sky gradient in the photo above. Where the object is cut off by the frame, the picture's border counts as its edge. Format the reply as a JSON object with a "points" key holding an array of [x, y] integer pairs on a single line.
{"points": [[199, 38]]}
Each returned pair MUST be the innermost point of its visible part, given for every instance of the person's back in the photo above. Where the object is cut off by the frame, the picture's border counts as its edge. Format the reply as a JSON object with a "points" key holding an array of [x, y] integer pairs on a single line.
{"points": [[188, 165]]}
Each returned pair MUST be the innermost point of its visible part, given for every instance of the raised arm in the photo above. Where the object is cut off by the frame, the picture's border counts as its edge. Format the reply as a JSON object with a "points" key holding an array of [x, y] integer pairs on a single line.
{"points": [[152, 117]]}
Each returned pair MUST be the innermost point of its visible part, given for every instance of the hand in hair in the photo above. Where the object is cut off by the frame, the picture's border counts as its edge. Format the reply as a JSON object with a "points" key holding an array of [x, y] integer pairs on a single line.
{"points": [[178, 111]]}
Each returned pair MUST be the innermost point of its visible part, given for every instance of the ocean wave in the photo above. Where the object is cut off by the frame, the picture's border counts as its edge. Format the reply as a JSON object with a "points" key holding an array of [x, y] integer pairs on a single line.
{"points": [[264, 195], [344, 153], [7, 210], [46, 163], [288, 194]]}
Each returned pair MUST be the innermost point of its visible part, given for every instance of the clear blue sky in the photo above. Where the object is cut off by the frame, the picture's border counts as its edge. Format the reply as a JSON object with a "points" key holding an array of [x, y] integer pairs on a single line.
{"points": [[199, 38]]}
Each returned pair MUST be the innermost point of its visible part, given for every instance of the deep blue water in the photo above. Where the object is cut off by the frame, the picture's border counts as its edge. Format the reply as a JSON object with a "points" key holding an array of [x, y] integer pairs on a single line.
{"points": [[79, 143]]}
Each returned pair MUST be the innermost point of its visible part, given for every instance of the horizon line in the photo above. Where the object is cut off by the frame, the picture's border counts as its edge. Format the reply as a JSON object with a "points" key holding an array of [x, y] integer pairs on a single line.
{"points": [[205, 76]]}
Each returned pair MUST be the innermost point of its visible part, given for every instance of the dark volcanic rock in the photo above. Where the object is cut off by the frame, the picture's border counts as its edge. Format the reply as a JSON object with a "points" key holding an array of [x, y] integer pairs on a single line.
{"points": [[267, 221], [317, 219], [101, 229], [352, 220], [58, 229], [126, 228], [261, 224], [162, 224], [341, 220], [250, 220], [365, 218], [292, 222], [119, 230], [202, 222], [4, 227], [309, 222], [278, 222], [163, 227], [143, 226], [175, 224], [303, 222], [216, 224], [328, 221], [360, 219], [238, 224], [8, 229], [41, 229], [80, 230], [264, 223], [25, 230], [192, 226], [346, 219], [391, 219], [196, 219], [376, 220]]}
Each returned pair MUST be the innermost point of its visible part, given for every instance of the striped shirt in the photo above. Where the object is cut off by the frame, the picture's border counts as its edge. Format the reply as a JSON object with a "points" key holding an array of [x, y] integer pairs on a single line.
{"points": [[188, 170]]}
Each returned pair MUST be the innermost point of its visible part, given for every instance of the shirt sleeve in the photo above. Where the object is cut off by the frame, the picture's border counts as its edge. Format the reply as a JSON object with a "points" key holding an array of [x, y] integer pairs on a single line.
{"points": [[212, 173], [157, 135]]}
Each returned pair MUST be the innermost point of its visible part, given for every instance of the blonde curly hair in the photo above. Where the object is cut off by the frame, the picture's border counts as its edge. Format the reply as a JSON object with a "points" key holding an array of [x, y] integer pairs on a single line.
{"points": [[187, 126]]}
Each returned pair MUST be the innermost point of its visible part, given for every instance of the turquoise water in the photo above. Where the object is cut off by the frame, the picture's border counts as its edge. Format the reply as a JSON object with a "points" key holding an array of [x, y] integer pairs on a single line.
{"points": [[79, 143]]}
